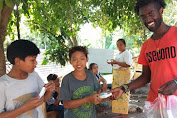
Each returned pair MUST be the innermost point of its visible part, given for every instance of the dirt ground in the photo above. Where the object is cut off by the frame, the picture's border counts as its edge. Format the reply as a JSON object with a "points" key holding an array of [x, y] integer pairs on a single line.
{"points": [[136, 105]]}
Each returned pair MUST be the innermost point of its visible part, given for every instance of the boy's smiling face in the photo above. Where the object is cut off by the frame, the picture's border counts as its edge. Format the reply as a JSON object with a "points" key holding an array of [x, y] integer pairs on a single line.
{"points": [[28, 65], [78, 60]]}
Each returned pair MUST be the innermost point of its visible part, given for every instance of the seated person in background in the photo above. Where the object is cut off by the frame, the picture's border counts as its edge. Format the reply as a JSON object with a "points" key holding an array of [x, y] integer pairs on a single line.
{"points": [[53, 103], [94, 68]]}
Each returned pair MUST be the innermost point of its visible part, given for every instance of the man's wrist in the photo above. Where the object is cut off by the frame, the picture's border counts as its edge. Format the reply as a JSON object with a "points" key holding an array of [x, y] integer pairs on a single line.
{"points": [[125, 88]]}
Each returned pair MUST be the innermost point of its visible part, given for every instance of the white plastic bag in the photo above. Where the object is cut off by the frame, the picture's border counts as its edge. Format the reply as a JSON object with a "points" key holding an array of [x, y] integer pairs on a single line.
{"points": [[156, 109], [172, 106]]}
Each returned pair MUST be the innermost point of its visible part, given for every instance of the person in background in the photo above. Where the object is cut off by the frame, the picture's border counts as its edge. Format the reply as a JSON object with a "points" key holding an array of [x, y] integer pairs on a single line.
{"points": [[94, 68], [158, 53], [78, 87], [121, 75], [53, 103], [20, 88]]}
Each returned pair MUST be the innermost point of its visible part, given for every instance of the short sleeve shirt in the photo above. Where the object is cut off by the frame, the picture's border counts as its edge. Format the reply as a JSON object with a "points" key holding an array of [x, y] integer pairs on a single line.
{"points": [[14, 93], [163, 64], [125, 57], [72, 89]]}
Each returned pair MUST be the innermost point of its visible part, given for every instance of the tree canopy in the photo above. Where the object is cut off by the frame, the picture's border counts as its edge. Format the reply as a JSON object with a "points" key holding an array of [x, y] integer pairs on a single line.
{"points": [[60, 20]]}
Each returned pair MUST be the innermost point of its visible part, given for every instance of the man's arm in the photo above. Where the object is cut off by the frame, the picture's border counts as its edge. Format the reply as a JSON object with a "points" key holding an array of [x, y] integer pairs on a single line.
{"points": [[142, 80]]}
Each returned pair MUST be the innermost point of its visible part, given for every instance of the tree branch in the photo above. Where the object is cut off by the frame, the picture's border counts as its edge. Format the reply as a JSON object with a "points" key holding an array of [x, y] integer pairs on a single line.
{"points": [[18, 25], [53, 35]]}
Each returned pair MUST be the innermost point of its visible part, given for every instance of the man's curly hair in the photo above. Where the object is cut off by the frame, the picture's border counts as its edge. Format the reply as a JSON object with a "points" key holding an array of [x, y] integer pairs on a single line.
{"points": [[142, 3]]}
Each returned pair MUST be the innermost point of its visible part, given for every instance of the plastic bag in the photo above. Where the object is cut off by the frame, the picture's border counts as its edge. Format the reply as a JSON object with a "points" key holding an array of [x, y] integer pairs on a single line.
{"points": [[172, 106], [161, 108], [156, 109]]}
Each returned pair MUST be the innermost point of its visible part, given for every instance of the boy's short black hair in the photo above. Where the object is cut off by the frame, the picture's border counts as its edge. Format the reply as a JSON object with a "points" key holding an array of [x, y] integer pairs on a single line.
{"points": [[142, 3], [21, 49], [52, 77], [78, 48]]}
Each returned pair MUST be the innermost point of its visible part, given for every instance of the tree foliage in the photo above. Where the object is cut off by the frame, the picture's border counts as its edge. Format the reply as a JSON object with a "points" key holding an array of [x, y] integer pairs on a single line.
{"points": [[60, 20]]}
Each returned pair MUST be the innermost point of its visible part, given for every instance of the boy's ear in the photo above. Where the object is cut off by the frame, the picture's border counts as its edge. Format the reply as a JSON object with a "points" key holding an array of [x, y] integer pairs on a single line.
{"points": [[70, 61], [87, 59], [17, 60]]}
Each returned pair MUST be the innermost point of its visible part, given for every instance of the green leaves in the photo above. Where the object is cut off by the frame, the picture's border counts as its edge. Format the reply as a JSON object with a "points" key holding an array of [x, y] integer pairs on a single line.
{"points": [[60, 21], [1, 4], [45, 61], [56, 53], [9, 3]]}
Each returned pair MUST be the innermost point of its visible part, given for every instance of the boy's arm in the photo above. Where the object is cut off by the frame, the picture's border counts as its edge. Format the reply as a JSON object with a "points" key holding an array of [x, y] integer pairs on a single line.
{"points": [[50, 87], [29, 105], [13, 113], [70, 104], [104, 86], [57, 89]]}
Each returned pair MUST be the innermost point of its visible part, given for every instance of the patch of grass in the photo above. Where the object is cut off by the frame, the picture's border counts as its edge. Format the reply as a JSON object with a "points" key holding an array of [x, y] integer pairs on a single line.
{"points": [[106, 73]]}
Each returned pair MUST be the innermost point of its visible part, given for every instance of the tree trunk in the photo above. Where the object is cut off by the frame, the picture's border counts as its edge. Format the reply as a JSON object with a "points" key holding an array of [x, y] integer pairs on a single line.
{"points": [[18, 24], [74, 41], [2, 59], [5, 14]]}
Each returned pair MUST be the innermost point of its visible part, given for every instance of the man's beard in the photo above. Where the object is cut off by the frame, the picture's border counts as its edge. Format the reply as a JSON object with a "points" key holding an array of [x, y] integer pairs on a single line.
{"points": [[157, 24]]}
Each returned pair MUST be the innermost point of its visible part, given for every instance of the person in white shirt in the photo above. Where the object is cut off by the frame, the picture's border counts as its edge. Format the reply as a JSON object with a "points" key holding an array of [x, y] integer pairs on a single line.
{"points": [[20, 88], [121, 76]]}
